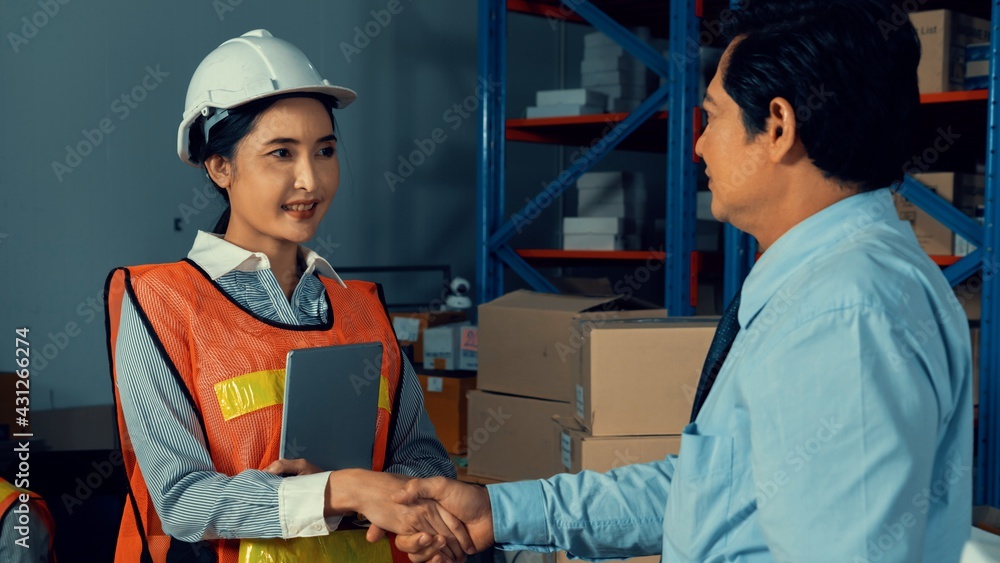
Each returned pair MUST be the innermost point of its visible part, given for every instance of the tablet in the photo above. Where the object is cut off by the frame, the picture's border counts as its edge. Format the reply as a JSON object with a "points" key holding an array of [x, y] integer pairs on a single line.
{"points": [[331, 405]]}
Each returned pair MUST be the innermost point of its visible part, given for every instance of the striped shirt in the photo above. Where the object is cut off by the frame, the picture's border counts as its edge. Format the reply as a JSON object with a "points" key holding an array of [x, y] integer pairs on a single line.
{"points": [[194, 501]]}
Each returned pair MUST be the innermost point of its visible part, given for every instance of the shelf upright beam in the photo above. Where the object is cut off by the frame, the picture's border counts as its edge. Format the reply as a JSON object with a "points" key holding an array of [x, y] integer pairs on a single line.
{"points": [[988, 474], [681, 187], [491, 145]]}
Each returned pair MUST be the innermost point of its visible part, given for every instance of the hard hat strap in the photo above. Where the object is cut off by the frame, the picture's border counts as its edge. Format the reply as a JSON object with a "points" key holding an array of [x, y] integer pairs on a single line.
{"points": [[216, 117]]}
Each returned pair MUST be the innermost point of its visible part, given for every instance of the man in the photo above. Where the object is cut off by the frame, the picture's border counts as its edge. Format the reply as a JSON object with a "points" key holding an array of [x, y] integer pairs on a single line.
{"points": [[840, 425]]}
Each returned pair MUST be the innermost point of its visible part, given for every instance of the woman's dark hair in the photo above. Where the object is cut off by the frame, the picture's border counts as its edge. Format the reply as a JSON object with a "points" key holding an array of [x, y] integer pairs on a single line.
{"points": [[224, 137], [848, 68]]}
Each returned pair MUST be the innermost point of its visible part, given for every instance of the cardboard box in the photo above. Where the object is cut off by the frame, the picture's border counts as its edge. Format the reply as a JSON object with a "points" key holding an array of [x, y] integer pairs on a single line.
{"points": [[970, 295], [447, 407], [943, 37], [935, 238], [410, 327], [579, 450], [442, 345], [468, 348], [509, 438], [638, 377], [528, 340]]}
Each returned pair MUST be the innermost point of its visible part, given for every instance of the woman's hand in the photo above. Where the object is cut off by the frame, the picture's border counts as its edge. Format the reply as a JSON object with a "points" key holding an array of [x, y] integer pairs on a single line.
{"points": [[292, 467], [370, 493]]}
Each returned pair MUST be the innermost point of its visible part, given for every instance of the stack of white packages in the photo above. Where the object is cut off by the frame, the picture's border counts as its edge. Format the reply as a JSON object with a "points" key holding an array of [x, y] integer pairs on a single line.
{"points": [[611, 211], [557, 103], [609, 69]]}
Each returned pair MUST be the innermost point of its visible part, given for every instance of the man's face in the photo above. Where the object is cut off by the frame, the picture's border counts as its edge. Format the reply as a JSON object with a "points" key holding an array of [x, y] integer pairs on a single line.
{"points": [[737, 166]]}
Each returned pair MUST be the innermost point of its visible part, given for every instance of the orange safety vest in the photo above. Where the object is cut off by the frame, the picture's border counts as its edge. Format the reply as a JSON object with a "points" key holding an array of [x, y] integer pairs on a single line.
{"points": [[230, 364], [9, 495]]}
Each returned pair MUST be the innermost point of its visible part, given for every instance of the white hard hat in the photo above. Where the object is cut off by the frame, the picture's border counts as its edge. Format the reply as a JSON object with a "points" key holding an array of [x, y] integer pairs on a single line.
{"points": [[253, 66]]}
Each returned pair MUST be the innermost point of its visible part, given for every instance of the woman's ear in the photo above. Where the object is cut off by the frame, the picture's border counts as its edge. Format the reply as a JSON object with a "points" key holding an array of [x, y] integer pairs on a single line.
{"points": [[220, 170]]}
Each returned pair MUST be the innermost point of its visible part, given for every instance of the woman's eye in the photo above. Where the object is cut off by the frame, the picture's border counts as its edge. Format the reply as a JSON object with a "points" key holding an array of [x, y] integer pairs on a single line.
{"points": [[281, 153], [327, 151]]}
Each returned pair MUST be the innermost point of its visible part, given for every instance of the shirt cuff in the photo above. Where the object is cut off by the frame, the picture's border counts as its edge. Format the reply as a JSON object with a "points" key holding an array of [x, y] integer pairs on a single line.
{"points": [[518, 513], [301, 500]]}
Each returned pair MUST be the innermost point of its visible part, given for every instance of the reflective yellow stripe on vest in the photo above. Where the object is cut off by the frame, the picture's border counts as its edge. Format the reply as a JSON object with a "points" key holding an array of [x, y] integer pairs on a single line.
{"points": [[253, 391], [348, 546]]}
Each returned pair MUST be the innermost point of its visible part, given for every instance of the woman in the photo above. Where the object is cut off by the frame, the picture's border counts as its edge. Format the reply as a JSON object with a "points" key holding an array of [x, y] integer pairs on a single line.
{"points": [[197, 347]]}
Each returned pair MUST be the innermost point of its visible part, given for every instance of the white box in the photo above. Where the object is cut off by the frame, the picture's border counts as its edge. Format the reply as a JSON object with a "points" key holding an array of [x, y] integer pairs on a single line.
{"points": [[562, 110], [574, 96], [441, 346], [593, 242], [592, 225], [468, 349]]}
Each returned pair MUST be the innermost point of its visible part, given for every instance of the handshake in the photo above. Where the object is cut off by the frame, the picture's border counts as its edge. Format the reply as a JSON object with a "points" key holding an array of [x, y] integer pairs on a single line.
{"points": [[435, 519]]}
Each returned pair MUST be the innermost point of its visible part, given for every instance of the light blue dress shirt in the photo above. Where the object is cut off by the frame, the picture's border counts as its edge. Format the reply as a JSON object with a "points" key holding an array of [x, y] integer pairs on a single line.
{"points": [[839, 429]]}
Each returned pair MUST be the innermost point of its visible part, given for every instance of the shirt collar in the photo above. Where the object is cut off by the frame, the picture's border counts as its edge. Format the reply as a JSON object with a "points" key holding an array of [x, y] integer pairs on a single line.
{"points": [[218, 257], [809, 239]]}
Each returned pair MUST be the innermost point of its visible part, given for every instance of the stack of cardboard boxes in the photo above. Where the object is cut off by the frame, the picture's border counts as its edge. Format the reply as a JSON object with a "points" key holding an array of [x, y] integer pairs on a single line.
{"points": [[568, 384], [443, 348], [610, 212], [607, 68], [944, 36], [571, 383]]}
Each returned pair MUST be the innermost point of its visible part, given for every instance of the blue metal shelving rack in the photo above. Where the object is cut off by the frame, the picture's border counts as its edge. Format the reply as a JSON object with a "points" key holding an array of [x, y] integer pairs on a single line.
{"points": [[494, 231]]}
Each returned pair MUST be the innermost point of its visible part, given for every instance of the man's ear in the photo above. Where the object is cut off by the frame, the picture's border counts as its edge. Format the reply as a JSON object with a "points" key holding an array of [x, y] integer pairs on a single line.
{"points": [[781, 131], [220, 170]]}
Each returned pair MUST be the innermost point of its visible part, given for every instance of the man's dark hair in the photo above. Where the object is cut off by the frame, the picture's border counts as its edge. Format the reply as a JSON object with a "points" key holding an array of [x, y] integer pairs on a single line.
{"points": [[849, 70]]}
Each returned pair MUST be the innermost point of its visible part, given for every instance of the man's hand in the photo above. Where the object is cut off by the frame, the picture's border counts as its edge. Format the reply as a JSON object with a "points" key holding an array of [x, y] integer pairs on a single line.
{"points": [[468, 503]]}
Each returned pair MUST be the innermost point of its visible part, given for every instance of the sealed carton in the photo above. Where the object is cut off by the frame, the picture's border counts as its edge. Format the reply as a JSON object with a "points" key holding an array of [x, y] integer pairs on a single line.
{"points": [[638, 377], [528, 340], [447, 407], [509, 437]]}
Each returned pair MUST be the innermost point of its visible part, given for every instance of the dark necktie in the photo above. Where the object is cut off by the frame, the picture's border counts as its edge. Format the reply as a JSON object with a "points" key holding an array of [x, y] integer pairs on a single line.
{"points": [[725, 333]]}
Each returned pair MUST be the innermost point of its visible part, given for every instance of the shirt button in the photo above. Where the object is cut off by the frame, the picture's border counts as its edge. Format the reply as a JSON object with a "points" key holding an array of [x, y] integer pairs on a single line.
{"points": [[318, 527]]}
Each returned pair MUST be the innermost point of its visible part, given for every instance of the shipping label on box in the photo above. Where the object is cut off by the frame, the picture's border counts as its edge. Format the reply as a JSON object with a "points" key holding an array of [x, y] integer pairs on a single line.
{"points": [[638, 377], [468, 353], [508, 437], [528, 341]]}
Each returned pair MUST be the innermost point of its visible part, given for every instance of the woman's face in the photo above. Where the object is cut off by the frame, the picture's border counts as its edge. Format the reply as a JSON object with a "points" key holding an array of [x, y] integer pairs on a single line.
{"points": [[283, 176]]}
